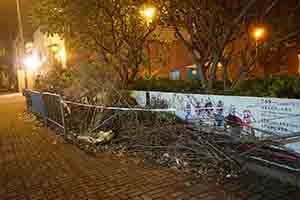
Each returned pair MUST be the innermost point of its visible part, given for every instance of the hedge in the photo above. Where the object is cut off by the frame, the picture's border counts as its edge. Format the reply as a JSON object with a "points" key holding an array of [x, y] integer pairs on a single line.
{"points": [[165, 85], [274, 86]]}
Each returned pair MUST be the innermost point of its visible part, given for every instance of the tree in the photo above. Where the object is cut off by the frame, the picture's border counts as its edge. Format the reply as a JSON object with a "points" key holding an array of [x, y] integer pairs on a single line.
{"points": [[219, 32], [113, 29], [208, 28]]}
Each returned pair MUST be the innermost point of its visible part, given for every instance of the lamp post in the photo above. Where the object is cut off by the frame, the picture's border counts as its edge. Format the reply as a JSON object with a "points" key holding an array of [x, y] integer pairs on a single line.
{"points": [[21, 32], [148, 13], [32, 62], [258, 34]]}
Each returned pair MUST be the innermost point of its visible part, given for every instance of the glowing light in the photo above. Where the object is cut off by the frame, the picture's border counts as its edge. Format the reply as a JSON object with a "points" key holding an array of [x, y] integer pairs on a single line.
{"points": [[32, 62], [62, 54], [54, 48], [259, 33], [149, 13], [28, 47]]}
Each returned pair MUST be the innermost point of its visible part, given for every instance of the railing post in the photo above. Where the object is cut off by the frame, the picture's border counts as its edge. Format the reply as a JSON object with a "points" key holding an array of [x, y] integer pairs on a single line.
{"points": [[62, 111], [44, 109]]}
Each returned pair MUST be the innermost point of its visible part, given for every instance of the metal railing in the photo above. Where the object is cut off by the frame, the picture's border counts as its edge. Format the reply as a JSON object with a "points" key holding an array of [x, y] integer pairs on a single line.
{"points": [[72, 117], [48, 106]]}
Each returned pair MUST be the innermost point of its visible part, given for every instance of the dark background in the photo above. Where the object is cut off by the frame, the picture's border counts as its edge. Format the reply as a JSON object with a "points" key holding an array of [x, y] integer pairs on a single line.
{"points": [[9, 21]]}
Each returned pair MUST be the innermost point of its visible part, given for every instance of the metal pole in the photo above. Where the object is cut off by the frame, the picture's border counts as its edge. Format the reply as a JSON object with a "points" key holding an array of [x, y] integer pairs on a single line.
{"points": [[256, 54], [62, 113], [21, 32]]}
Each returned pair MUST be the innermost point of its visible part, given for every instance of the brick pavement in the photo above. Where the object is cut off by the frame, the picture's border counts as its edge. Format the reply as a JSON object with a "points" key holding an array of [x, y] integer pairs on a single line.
{"points": [[35, 165]]}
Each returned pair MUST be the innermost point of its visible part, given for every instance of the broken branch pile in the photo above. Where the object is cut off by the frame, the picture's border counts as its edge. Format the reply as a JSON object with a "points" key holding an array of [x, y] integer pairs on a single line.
{"points": [[158, 137], [180, 147]]}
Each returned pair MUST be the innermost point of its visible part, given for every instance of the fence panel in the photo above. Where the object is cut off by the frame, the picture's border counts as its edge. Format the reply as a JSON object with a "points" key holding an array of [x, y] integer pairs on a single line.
{"points": [[54, 109], [46, 105], [38, 105]]}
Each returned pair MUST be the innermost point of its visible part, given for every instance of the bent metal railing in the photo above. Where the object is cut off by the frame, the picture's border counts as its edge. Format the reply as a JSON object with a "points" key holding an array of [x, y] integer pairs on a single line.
{"points": [[58, 113], [48, 106], [55, 111]]}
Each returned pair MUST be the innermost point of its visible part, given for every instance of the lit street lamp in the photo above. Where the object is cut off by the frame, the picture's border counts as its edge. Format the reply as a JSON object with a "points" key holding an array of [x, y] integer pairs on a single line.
{"points": [[21, 34], [258, 34], [148, 13], [32, 62]]}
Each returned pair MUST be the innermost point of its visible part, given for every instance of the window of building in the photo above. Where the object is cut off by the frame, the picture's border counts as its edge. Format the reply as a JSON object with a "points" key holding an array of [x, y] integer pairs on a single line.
{"points": [[192, 73], [175, 75]]}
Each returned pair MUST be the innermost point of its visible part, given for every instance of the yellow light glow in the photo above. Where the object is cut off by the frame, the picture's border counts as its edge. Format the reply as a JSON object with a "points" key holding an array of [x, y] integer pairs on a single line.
{"points": [[149, 13], [62, 54], [32, 62], [259, 33], [28, 47], [54, 48]]}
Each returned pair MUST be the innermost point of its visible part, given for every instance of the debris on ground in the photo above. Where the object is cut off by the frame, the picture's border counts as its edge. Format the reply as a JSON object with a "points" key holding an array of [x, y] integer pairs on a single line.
{"points": [[160, 137], [156, 137], [181, 148], [98, 138]]}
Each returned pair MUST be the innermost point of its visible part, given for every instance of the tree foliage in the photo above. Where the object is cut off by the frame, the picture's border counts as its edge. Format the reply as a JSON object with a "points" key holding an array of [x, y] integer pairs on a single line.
{"points": [[217, 33], [221, 32], [113, 29]]}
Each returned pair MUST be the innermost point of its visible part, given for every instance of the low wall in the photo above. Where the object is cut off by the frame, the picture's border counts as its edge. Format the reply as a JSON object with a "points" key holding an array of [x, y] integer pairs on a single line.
{"points": [[258, 116]]}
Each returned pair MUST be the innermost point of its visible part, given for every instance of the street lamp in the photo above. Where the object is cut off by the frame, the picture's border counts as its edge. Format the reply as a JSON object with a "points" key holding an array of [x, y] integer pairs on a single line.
{"points": [[21, 34], [258, 34], [32, 62], [148, 13]]}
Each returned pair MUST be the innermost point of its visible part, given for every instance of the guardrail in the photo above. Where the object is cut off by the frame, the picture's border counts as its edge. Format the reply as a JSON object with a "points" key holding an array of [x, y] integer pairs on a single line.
{"points": [[67, 115], [48, 106], [74, 117]]}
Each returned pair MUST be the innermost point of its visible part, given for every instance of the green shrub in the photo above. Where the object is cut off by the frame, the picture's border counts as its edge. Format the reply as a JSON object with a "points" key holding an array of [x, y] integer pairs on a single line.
{"points": [[165, 85], [273, 86], [55, 80]]}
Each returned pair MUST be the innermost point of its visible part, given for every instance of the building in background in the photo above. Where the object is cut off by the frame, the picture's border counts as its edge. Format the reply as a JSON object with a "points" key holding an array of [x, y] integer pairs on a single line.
{"points": [[6, 72], [49, 49], [179, 64], [41, 53]]}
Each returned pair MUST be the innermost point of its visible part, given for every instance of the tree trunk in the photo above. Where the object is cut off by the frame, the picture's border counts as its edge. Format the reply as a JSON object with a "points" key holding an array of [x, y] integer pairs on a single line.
{"points": [[133, 74], [124, 76], [212, 72], [225, 76]]}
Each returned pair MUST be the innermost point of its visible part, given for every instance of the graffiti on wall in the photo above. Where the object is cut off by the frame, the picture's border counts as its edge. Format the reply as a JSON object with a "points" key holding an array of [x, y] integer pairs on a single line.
{"points": [[255, 116]]}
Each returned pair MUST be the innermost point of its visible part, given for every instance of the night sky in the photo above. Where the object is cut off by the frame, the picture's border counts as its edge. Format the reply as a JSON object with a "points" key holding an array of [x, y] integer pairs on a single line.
{"points": [[8, 18]]}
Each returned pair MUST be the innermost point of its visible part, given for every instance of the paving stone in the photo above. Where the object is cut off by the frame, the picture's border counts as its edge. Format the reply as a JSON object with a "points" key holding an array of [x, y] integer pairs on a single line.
{"points": [[32, 167], [45, 170]]}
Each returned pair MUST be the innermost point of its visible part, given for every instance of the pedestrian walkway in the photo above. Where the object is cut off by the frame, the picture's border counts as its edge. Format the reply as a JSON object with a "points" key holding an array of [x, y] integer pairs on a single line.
{"points": [[35, 164]]}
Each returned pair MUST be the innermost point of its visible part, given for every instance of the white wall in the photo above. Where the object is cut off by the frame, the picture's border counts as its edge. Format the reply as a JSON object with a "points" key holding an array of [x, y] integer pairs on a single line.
{"points": [[270, 115]]}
